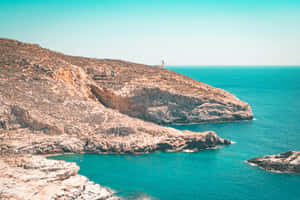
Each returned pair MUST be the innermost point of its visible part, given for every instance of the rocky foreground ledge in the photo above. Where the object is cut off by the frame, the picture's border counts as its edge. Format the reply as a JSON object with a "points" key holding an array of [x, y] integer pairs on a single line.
{"points": [[54, 103], [24, 175], [36, 178], [288, 162]]}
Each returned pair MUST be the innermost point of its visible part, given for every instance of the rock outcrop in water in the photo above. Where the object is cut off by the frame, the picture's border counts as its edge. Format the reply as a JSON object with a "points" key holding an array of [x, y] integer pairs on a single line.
{"points": [[54, 103], [288, 162]]}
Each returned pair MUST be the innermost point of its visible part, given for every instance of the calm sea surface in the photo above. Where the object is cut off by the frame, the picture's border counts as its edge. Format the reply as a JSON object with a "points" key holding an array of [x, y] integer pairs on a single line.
{"points": [[218, 174]]}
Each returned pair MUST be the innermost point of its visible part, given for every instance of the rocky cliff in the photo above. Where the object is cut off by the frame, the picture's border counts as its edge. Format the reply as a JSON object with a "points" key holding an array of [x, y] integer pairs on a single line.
{"points": [[54, 103], [146, 92], [288, 162]]}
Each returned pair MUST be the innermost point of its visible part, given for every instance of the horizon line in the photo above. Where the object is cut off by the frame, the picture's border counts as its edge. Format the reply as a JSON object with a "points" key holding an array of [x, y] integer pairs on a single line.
{"points": [[195, 65]]}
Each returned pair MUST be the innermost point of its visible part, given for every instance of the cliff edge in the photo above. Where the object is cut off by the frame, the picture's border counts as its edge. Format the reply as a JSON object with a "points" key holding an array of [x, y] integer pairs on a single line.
{"points": [[54, 103], [146, 92]]}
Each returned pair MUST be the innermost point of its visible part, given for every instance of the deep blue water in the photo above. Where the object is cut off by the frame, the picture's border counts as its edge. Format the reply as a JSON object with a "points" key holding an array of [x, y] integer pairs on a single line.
{"points": [[218, 174]]}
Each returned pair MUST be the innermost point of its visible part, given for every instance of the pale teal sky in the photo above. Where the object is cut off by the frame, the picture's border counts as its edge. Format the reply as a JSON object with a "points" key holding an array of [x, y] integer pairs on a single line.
{"points": [[190, 32]]}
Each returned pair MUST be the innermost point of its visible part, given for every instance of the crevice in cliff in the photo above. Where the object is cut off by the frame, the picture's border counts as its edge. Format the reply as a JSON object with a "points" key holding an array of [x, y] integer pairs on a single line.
{"points": [[111, 100], [3, 125], [98, 94]]}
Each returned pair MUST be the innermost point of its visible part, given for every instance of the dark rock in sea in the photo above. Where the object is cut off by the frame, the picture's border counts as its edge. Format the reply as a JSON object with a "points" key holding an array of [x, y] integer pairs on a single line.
{"points": [[288, 162]]}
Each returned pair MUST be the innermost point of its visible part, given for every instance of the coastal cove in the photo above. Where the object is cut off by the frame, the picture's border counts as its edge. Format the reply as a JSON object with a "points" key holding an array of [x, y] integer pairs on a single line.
{"points": [[222, 173]]}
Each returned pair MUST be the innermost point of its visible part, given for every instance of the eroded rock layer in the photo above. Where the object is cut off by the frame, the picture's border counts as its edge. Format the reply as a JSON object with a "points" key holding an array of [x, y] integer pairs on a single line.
{"points": [[50, 103], [35, 178], [146, 92], [53, 103], [288, 162]]}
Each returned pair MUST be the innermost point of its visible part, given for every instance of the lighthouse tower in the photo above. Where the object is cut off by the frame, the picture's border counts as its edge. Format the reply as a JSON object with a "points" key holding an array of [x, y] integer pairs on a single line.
{"points": [[162, 63]]}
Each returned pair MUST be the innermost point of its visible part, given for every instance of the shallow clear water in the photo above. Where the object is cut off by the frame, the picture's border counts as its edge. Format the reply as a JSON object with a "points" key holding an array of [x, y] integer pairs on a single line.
{"points": [[217, 174]]}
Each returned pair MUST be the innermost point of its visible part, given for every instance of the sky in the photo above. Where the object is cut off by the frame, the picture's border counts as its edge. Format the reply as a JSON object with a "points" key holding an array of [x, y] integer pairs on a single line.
{"points": [[181, 32]]}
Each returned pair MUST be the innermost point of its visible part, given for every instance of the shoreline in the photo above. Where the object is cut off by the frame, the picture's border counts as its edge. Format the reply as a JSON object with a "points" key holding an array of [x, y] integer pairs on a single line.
{"points": [[65, 104], [210, 122], [267, 170], [132, 154]]}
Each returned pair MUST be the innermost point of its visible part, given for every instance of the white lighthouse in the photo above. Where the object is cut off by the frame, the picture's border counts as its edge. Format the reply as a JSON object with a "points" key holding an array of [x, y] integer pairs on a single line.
{"points": [[162, 63]]}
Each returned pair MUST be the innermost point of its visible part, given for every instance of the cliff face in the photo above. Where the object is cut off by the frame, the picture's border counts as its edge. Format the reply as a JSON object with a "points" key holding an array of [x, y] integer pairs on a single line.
{"points": [[288, 162], [50, 105], [53, 103], [163, 96], [146, 92], [48, 96]]}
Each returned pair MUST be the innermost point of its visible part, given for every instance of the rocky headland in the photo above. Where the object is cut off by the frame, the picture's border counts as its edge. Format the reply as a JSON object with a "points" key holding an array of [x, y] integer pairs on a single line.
{"points": [[288, 162], [55, 103]]}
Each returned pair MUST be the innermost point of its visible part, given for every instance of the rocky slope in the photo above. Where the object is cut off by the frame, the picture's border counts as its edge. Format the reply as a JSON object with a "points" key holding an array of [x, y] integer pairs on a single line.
{"points": [[147, 92], [288, 162], [35, 178], [53, 103]]}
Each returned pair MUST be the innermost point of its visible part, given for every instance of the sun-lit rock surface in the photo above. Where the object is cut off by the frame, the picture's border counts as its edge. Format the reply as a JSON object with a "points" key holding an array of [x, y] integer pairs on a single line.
{"points": [[147, 92], [288, 162], [53, 103], [49, 103], [35, 178]]}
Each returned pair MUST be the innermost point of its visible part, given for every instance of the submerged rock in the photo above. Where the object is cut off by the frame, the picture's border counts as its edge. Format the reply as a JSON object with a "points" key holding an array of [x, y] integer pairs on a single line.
{"points": [[288, 162]]}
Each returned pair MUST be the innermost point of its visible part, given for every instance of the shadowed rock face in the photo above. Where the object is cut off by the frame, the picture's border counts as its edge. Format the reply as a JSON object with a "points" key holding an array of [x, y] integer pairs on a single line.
{"points": [[288, 162], [53, 103]]}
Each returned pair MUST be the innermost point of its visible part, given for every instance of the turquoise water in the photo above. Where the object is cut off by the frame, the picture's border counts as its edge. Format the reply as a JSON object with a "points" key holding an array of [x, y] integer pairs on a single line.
{"points": [[217, 174]]}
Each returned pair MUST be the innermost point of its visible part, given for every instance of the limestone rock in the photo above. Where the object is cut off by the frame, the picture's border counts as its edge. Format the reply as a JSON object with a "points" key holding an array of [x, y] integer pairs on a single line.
{"points": [[288, 162], [146, 92], [54, 103], [35, 177]]}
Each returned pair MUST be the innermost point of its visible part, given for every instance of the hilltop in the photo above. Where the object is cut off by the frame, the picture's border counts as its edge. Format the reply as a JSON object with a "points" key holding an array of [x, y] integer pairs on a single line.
{"points": [[55, 103]]}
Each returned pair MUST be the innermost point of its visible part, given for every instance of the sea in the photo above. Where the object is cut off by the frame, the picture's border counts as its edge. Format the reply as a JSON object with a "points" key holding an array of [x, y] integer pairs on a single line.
{"points": [[222, 173]]}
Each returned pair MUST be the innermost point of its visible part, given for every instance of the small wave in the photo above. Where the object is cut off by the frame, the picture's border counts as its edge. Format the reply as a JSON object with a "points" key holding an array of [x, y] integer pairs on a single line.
{"points": [[215, 147], [188, 151], [138, 196], [196, 150], [233, 142], [250, 163], [271, 170]]}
